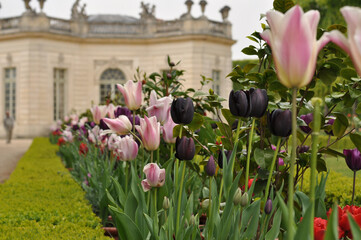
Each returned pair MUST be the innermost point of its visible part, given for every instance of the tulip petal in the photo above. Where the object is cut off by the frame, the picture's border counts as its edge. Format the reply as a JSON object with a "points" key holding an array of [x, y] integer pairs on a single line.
{"points": [[312, 18], [352, 16], [338, 38], [145, 185]]}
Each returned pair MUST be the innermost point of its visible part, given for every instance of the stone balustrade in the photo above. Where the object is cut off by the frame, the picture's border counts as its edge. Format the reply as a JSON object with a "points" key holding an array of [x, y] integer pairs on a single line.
{"points": [[141, 28]]}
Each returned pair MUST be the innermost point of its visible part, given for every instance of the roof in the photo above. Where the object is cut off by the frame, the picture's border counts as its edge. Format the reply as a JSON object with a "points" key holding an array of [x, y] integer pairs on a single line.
{"points": [[112, 18]]}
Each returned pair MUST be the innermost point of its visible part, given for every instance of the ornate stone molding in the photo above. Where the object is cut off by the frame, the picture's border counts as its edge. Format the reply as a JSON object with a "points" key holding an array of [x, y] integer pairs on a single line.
{"points": [[100, 65]]}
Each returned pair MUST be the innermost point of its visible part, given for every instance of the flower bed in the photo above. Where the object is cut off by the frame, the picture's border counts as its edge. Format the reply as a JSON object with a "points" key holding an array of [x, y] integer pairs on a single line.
{"points": [[42, 201]]}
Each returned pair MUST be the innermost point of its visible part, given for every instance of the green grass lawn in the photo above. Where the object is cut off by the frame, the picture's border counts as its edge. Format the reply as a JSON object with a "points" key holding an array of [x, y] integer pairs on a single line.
{"points": [[339, 165]]}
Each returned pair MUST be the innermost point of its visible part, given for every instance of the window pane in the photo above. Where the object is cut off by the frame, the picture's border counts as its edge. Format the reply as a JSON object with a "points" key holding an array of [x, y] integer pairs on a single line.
{"points": [[59, 93], [10, 90]]}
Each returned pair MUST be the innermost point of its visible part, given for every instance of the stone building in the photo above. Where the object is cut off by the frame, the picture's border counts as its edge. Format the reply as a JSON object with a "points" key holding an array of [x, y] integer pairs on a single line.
{"points": [[51, 66]]}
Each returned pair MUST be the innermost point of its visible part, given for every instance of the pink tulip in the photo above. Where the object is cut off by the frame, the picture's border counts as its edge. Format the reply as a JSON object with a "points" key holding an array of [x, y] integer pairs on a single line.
{"points": [[292, 38], [120, 125], [126, 148], [149, 130], [352, 45], [159, 107], [110, 111], [98, 112], [168, 130], [155, 177], [132, 93]]}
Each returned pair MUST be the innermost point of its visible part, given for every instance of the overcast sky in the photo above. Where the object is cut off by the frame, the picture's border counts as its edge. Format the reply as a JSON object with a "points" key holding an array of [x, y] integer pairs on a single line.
{"points": [[244, 14]]}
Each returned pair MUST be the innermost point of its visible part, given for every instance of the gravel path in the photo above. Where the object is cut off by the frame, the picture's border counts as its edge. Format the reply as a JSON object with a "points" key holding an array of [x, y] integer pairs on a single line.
{"points": [[10, 154]]}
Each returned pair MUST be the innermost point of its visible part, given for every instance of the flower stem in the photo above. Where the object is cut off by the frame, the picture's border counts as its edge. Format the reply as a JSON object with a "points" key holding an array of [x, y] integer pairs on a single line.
{"points": [[158, 155], [134, 121], [353, 188], [183, 167], [171, 150], [237, 136], [220, 193], [249, 153], [126, 178], [313, 179], [210, 209], [290, 230], [151, 156], [271, 169], [155, 214]]}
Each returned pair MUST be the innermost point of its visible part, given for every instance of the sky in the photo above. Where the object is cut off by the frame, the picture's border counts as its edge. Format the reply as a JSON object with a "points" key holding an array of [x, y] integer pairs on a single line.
{"points": [[244, 14]]}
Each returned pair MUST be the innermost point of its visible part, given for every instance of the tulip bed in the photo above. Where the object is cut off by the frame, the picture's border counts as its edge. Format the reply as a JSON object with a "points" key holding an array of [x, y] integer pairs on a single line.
{"points": [[172, 163], [35, 202]]}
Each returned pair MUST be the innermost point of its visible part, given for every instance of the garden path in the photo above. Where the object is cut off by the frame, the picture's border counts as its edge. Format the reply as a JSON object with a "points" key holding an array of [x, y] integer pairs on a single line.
{"points": [[10, 154]]}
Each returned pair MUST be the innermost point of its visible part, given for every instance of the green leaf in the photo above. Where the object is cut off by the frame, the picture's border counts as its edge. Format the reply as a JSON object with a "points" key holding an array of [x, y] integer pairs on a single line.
{"points": [[263, 157], [358, 109], [355, 228], [348, 73], [275, 230], [328, 73], [321, 165], [250, 220], [200, 94], [249, 51], [228, 116], [196, 123], [333, 153], [127, 229], [249, 67], [303, 228], [356, 139], [283, 5], [340, 125], [331, 230]]}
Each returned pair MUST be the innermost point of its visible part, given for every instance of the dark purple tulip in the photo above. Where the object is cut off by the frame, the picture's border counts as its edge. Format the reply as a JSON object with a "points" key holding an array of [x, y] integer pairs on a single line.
{"points": [[122, 111], [258, 102], [182, 110], [307, 119], [268, 207], [353, 159], [280, 122], [239, 103], [303, 149], [137, 119], [75, 127], [210, 168], [214, 125], [330, 122], [220, 157], [185, 148], [103, 125]]}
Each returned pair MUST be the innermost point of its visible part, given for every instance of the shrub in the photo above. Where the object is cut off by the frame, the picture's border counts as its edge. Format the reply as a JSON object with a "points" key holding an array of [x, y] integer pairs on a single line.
{"points": [[338, 189], [42, 201]]}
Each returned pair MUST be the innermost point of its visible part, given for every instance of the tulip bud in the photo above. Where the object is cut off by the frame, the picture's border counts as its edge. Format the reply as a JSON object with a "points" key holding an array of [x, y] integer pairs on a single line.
{"points": [[171, 64], [353, 159], [268, 207], [237, 197], [182, 110], [185, 148], [258, 102], [307, 119], [205, 204], [169, 76], [220, 157], [303, 149], [280, 122], [239, 103], [210, 168], [165, 203], [192, 220], [244, 199], [330, 123]]}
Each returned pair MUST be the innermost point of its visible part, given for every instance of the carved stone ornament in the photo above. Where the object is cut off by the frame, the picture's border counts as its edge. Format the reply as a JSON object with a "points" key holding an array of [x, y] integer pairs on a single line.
{"points": [[203, 4]]}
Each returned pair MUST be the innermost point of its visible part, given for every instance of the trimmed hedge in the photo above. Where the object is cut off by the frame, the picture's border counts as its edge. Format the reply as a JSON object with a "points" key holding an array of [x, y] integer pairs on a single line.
{"points": [[42, 201], [338, 189]]}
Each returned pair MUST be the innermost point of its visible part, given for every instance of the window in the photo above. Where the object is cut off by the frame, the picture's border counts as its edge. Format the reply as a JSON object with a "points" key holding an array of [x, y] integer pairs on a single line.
{"points": [[59, 93], [216, 86], [108, 83], [10, 91]]}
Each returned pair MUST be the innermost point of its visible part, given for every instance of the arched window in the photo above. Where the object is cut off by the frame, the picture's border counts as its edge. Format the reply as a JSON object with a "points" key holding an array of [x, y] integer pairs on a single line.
{"points": [[108, 83]]}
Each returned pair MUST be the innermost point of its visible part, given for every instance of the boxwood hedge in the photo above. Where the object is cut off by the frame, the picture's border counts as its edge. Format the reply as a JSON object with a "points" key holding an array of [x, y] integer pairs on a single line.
{"points": [[42, 201]]}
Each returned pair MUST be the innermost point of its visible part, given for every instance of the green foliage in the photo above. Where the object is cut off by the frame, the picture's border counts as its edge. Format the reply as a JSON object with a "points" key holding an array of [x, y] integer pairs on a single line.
{"points": [[338, 189], [42, 201]]}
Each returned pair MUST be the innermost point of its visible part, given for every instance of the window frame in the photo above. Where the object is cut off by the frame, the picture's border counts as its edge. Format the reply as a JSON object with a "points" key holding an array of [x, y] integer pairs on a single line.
{"points": [[11, 80]]}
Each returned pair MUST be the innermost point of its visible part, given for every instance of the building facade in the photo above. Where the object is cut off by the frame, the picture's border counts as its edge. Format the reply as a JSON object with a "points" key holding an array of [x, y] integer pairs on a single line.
{"points": [[51, 67]]}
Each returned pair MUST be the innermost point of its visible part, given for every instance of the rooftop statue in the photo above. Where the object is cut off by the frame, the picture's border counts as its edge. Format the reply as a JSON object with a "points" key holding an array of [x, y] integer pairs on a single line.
{"points": [[147, 11]]}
